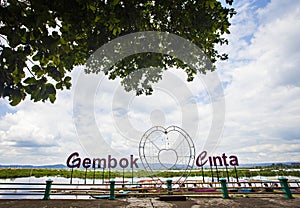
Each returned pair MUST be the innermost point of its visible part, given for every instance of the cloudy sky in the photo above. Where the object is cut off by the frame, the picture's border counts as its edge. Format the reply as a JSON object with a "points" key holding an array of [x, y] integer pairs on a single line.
{"points": [[261, 113]]}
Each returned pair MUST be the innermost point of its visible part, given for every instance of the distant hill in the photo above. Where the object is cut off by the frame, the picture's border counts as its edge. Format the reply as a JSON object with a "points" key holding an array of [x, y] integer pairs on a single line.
{"points": [[270, 164]]}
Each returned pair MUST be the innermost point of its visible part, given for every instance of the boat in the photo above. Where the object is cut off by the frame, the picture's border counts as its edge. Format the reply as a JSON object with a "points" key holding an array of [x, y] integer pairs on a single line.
{"points": [[122, 194], [245, 190], [100, 196], [203, 190]]}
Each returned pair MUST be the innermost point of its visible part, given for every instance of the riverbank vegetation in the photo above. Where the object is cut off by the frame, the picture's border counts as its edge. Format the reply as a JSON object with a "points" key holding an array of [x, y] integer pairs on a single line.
{"points": [[100, 173]]}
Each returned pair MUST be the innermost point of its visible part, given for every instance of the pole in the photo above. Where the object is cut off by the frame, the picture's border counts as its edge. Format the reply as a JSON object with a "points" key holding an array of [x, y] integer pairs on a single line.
{"points": [[123, 176], [217, 173], [202, 174], [236, 175], [227, 173], [224, 188], [71, 179], [85, 176], [48, 189], [132, 174], [169, 186], [71, 176], [112, 190], [285, 187], [103, 176], [94, 175], [109, 173], [212, 174]]}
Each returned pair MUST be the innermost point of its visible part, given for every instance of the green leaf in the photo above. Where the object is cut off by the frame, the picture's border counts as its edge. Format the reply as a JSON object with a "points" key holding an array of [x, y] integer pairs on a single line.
{"points": [[36, 68], [67, 79], [59, 86], [115, 30], [52, 98], [68, 85], [92, 7], [97, 18], [36, 57], [30, 80], [115, 2], [50, 89], [15, 101], [15, 97]]}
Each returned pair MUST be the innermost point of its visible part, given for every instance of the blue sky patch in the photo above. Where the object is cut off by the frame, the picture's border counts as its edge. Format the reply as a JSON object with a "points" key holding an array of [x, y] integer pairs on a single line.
{"points": [[4, 109]]}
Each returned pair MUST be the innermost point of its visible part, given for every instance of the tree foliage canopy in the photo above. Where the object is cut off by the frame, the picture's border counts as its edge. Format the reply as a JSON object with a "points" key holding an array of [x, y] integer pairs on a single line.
{"points": [[43, 39]]}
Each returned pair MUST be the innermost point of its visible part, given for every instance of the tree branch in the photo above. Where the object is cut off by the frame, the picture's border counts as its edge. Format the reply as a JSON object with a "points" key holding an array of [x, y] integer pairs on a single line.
{"points": [[30, 71]]}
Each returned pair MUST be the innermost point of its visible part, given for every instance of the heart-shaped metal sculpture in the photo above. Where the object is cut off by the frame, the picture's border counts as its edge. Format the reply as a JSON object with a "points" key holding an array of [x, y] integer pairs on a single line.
{"points": [[167, 158], [164, 149]]}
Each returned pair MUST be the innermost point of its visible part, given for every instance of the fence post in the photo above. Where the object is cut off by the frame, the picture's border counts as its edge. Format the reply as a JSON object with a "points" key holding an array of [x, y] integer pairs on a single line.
{"points": [[285, 187], [48, 189], [224, 188], [169, 186], [112, 190]]}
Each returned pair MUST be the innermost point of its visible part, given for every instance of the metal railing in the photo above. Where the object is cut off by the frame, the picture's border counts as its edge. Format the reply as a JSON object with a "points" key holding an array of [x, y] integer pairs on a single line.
{"points": [[146, 189]]}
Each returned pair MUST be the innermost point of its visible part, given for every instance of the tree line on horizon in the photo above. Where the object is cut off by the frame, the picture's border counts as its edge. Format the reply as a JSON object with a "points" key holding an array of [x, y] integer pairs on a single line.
{"points": [[11, 173]]}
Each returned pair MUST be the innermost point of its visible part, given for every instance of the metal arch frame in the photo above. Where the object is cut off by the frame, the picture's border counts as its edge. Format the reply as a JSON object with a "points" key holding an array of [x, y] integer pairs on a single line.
{"points": [[190, 142]]}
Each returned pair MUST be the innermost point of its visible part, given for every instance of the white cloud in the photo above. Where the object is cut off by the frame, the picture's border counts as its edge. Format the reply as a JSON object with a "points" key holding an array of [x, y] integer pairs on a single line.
{"points": [[122, 118], [38, 133], [263, 97]]}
